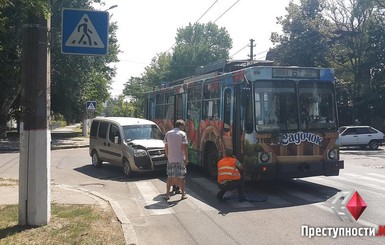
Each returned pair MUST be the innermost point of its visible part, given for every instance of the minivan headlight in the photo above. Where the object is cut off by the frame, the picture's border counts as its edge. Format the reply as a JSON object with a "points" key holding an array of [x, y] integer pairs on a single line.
{"points": [[140, 153]]}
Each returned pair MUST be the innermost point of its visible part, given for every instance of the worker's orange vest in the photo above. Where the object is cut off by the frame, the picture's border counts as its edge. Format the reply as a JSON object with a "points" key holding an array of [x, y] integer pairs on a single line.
{"points": [[227, 170]]}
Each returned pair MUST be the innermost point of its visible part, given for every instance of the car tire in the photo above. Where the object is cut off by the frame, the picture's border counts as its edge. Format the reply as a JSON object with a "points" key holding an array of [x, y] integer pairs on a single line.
{"points": [[374, 144], [95, 160], [126, 168]]}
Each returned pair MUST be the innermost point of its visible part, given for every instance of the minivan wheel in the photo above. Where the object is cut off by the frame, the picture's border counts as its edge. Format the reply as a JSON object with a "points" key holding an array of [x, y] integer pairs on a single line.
{"points": [[374, 144], [126, 168], [96, 162]]}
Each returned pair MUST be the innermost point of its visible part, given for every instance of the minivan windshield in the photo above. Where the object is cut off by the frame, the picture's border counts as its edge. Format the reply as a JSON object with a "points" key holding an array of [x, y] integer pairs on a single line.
{"points": [[145, 132]]}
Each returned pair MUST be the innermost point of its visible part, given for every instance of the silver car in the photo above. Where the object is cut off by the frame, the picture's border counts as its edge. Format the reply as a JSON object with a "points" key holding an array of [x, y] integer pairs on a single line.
{"points": [[362, 136], [133, 143]]}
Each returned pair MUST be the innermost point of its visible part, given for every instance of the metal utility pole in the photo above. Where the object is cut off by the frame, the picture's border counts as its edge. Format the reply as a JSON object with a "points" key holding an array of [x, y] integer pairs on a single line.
{"points": [[35, 138], [251, 55]]}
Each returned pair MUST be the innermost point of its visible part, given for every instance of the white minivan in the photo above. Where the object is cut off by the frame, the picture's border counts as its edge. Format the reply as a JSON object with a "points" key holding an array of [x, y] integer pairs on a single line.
{"points": [[135, 144]]}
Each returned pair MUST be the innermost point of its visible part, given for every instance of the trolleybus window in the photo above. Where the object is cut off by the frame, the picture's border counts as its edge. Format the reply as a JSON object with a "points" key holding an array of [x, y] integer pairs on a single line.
{"points": [[193, 103], [159, 105], [211, 101], [227, 110], [275, 106], [169, 106], [316, 103]]}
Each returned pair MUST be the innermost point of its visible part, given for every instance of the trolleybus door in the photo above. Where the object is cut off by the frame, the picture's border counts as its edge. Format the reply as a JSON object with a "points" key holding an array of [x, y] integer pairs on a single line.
{"points": [[231, 133], [179, 112]]}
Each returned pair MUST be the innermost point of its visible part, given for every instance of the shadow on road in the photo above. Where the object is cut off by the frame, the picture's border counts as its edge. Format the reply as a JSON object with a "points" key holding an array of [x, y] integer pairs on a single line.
{"points": [[262, 195]]}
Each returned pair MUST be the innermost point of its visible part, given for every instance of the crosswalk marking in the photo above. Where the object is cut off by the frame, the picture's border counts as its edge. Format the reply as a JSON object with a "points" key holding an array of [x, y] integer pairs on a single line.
{"points": [[156, 206], [148, 192], [213, 189], [366, 178], [377, 175], [197, 204]]}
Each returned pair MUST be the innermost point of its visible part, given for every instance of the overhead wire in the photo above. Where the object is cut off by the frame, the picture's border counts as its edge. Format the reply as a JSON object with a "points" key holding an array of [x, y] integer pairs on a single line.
{"points": [[206, 11], [226, 11], [239, 50], [197, 20]]}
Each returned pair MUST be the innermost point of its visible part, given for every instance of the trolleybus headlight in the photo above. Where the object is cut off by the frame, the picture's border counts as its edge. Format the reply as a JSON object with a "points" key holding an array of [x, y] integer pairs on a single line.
{"points": [[332, 154], [140, 153], [264, 157]]}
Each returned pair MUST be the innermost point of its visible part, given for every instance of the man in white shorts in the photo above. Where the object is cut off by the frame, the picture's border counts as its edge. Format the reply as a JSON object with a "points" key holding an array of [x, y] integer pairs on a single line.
{"points": [[176, 150]]}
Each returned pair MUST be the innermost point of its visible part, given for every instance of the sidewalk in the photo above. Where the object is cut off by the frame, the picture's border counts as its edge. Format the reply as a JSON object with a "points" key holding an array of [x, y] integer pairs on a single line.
{"points": [[61, 138]]}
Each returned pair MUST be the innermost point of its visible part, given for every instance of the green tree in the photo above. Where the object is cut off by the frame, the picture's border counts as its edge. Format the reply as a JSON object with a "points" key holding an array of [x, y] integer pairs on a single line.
{"points": [[305, 38], [77, 79], [357, 52], [198, 45], [13, 14], [123, 108], [135, 89], [157, 72]]}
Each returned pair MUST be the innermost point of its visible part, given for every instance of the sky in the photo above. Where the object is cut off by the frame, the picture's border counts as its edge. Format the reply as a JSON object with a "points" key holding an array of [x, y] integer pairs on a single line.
{"points": [[149, 27]]}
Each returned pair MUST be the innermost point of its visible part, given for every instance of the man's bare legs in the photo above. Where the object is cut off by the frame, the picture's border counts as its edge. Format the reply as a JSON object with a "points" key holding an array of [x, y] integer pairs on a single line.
{"points": [[168, 185], [182, 185]]}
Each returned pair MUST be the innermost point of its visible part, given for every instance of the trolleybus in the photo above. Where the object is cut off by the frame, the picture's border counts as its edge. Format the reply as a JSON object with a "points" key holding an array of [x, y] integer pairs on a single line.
{"points": [[280, 122]]}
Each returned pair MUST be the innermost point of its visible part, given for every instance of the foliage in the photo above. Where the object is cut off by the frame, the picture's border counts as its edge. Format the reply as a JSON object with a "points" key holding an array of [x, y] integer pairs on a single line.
{"points": [[157, 72], [357, 49], [135, 88], [12, 16], [196, 45], [348, 36], [306, 36], [77, 79]]}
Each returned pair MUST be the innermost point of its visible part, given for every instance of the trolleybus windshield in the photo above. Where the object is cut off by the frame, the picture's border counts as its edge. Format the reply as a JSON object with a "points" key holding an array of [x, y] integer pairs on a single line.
{"points": [[289, 106]]}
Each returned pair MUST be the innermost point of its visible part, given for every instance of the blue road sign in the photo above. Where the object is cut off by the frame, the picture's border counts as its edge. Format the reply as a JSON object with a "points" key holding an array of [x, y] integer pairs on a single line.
{"points": [[84, 32], [91, 105]]}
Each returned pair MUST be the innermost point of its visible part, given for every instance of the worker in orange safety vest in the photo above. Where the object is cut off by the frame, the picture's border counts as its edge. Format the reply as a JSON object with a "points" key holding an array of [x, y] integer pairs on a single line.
{"points": [[230, 176]]}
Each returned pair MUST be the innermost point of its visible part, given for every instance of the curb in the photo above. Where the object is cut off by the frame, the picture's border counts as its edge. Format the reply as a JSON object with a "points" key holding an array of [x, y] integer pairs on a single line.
{"points": [[13, 150], [127, 228]]}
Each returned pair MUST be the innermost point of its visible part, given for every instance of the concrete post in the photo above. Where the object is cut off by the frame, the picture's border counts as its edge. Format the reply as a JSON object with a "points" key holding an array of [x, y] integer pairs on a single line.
{"points": [[35, 151]]}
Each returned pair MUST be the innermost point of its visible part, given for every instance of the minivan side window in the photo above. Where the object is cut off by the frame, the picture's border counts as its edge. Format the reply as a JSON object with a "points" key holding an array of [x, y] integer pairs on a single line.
{"points": [[94, 129], [103, 130], [114, 131]]}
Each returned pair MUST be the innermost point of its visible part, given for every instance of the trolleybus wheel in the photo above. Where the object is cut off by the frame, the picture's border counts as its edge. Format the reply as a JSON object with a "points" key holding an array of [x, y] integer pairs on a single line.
{"points": [[211, 160]]}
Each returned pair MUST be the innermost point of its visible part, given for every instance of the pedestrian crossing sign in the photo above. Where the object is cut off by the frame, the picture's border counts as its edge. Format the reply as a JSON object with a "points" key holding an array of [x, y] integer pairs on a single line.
{"points": [[91, 105], [84, 32]]}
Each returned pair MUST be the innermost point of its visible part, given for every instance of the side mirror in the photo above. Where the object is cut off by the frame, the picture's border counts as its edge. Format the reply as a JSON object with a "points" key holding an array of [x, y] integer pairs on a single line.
{"points": [[116, 140], [246, 95]]}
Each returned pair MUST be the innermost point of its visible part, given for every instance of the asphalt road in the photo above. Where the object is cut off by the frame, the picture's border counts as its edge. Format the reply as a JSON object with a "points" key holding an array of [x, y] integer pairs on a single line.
{"points": [[201, 219]]}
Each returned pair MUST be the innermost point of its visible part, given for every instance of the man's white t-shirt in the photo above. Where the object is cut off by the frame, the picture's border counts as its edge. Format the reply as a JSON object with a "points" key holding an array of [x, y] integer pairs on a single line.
{"points": [[174, 140]]}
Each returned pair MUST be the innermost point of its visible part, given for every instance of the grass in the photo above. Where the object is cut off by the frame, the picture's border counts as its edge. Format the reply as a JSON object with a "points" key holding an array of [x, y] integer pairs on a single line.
{"points": [[70, 224]]}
